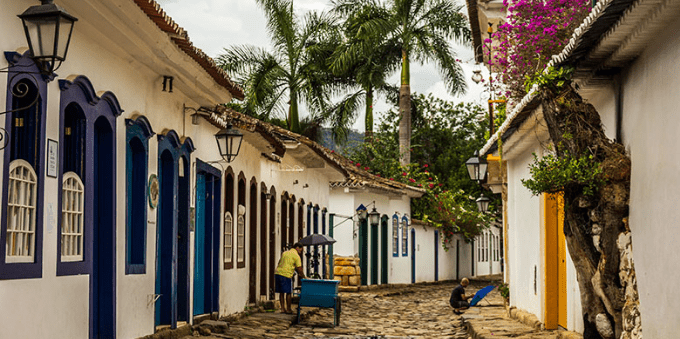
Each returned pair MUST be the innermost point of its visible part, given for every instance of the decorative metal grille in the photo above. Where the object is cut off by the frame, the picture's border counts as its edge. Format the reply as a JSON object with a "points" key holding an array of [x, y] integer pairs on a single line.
{"points": [[72, 212], [21, 209], [228, 237]]}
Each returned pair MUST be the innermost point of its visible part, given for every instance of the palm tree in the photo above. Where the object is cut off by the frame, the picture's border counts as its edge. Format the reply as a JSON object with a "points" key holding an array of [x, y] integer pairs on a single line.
{"points": [[277, 81], [363, 63], [422, 29]]}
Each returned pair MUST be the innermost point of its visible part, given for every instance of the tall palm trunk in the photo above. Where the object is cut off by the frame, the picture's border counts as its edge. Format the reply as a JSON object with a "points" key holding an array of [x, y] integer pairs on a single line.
{"points": [[405, 111], [293, 117], [369, 114]]}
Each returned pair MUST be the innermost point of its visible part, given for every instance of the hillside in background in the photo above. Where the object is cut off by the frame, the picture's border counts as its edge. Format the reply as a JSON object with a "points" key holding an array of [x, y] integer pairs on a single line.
{"points": [[354, 139]]}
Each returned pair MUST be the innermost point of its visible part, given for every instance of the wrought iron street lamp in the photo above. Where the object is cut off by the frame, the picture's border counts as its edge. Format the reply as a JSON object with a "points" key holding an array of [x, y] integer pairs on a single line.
{"points": [[48, 29], [476, 167], [374, 216], [229, 142], [482, 203]]}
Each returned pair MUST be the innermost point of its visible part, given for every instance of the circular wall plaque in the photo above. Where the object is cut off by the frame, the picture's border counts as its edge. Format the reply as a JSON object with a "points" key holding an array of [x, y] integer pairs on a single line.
{"points": [[153, 191]]}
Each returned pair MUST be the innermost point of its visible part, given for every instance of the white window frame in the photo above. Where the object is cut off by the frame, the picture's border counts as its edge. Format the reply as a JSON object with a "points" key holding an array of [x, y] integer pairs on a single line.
{"points": [[241, 235], [404, 237], [228, 238], [395, 236], [21, 212], [72, 217]]}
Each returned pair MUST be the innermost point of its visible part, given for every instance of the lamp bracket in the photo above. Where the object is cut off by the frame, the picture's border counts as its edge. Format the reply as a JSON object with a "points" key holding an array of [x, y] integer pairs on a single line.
{"points": [[19, 90]]}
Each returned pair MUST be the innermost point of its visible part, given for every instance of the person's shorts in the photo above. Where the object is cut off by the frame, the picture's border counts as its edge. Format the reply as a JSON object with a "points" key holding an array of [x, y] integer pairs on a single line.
{"points": [[283, 284], [460, 304]]}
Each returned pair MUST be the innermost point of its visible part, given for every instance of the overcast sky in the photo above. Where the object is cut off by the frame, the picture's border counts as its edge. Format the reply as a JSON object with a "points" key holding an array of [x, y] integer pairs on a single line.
{"points": [[215, 24]]}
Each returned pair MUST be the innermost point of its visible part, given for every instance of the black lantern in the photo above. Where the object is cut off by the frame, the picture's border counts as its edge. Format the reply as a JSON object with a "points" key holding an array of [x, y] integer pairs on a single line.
{"points": [[374, 217], [482, 203], [229, 142], [48, 29], [476, 167]]}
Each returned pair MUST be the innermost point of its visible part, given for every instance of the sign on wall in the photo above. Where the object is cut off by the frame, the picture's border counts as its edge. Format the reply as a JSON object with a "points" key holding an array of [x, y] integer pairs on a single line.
{"points": [[52, 158]]}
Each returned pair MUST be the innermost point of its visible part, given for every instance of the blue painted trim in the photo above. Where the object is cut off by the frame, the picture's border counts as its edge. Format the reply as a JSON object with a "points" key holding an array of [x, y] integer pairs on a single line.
{"points": [[140, 130], [143, 123], [19, 63], [103, 277], [166, 231], [397, 225], [189, 145], [413, 256], [14, 58], [81, 92], [183, 229], [436, 255], [404, 234], [90, 94], [172, 138]]}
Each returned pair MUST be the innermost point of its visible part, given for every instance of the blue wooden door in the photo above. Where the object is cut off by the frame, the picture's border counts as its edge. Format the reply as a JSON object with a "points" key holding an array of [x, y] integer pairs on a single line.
{"points": [[166, 242], [103, 282], [200, 248], [413, 256]]}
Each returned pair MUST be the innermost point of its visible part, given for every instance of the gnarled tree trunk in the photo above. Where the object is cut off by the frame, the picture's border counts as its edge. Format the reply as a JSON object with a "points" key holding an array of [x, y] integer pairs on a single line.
{"points": [[595, 227]]}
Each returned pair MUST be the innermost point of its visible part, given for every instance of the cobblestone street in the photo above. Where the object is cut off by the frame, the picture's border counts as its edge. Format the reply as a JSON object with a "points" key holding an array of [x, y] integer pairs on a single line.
{"points": [[407, 311], [420, 311]]}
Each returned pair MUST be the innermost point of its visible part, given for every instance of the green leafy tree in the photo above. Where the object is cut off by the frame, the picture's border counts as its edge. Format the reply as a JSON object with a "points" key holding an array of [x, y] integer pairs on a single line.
{"points": [[444, 136], [294, 71], [422, 29], [363, 62]]}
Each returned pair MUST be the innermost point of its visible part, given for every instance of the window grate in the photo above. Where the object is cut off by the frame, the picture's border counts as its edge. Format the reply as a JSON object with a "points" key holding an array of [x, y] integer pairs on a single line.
{"points": [[241, 239], [72, 213], [228, 237], [21, 206]]}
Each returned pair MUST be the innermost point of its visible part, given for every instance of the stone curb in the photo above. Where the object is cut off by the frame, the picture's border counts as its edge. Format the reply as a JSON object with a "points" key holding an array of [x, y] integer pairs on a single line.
{"points": [[498, 321], [531, 320]]}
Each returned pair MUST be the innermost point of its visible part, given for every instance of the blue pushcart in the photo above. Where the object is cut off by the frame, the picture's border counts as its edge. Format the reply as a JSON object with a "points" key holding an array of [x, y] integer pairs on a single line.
{"points": [[320, 293]]}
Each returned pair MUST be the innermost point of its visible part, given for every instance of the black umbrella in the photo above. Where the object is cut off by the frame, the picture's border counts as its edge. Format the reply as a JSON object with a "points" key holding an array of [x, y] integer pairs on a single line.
{"points": [[316, 239]]}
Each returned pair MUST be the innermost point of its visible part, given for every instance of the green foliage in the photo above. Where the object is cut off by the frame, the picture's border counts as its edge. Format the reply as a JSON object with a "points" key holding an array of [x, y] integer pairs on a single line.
{"points": [[552, 174], [553, 78], [504, 289], [444, 136]]}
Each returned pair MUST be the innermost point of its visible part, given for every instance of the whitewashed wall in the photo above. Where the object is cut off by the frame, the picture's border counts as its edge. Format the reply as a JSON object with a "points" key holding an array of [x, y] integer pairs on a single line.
{"points": [[650, 129], [524, 238], [425, 245], [526, 234], [346, 203]]}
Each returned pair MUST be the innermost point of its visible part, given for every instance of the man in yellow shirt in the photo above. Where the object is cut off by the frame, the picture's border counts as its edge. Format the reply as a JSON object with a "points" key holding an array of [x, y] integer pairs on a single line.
{"points": [[289, 263]]}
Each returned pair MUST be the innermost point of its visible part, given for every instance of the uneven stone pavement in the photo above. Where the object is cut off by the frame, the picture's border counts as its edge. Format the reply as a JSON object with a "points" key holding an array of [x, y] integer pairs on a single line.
{"points": [[409, 311]]}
